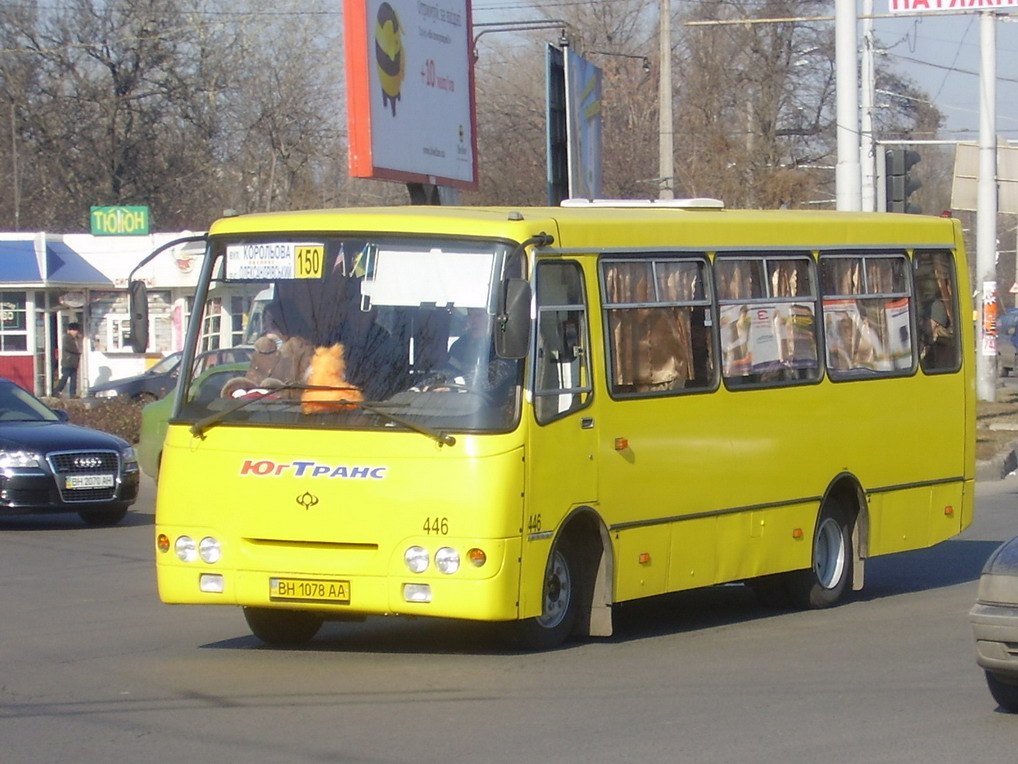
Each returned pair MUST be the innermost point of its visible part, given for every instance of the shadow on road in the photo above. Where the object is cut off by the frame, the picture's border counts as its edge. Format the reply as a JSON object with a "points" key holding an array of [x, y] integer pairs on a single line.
{"points": [[69, 521], [945, 565]]}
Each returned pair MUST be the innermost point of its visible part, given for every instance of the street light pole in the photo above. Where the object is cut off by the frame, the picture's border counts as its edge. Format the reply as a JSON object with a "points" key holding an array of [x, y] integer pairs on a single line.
{"points": [[666, 156]]}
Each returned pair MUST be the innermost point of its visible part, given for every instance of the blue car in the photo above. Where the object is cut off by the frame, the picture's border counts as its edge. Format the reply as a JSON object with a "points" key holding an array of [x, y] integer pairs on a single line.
{"points": [[157, 382], [1006, 336]]}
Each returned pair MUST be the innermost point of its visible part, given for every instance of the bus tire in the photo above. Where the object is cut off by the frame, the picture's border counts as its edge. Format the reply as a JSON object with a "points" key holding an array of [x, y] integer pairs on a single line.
{"points": [[560, 603], [282, 628], [830, 577], [1003, 691]]}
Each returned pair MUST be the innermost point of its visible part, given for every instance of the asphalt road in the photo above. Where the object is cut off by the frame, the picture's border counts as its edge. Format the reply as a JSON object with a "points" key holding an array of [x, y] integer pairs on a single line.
{"points": [[93, 668]]}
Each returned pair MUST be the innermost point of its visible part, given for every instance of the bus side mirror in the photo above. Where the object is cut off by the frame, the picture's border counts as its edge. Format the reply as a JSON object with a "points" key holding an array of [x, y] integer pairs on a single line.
{"points": [[138, 294], [512, 331]]}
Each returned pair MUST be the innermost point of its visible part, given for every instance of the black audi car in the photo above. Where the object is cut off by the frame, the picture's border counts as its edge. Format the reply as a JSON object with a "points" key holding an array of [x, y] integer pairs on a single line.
{"points": [[49, 465]]}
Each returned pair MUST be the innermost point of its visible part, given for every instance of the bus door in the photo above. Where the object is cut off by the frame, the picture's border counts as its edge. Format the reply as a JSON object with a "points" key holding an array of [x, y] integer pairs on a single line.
{"points": [[562, 443]]}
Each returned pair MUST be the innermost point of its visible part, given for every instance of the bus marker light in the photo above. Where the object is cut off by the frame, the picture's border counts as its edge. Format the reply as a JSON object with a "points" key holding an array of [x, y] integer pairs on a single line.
{"points": [[621, 444], [949, 510], [417, 592], [797, 533], [644, 558], [477, 557], [163, 542], [212, 583]]}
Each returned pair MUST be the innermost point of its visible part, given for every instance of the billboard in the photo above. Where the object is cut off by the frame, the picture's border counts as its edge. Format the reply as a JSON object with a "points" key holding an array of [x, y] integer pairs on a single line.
{"points": [[583, 115], [410, 91], [951, 6]]}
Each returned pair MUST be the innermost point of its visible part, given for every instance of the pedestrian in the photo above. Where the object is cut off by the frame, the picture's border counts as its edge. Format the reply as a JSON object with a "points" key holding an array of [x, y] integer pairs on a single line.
{"points": [[70, 356]]}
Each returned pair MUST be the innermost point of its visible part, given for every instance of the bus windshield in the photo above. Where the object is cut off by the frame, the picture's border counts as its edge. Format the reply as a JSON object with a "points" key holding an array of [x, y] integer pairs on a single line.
{"points": [[355, 332]]}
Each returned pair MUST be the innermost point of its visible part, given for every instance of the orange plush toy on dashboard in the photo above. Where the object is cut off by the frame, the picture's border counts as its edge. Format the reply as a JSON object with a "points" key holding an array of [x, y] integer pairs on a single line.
{"points": [[328, 369]]}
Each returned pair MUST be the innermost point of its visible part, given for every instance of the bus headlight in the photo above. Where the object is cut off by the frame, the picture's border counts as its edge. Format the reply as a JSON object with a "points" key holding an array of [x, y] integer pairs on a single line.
{"points": [[447, 560], [416, 559], [209, 550], [186, 549]]}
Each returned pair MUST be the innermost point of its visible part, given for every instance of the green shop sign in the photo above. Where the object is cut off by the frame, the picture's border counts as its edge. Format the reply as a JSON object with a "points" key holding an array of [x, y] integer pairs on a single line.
{"points": [[119, 221]]}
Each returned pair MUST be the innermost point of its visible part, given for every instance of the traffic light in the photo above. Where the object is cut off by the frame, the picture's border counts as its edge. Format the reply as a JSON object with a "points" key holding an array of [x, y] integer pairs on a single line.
{"points": [[900, 183]]}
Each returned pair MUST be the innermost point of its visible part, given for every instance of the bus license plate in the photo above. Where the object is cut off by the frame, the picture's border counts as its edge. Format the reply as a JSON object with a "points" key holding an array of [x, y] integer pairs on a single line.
{"points": [[75, 482], [305, 590]]}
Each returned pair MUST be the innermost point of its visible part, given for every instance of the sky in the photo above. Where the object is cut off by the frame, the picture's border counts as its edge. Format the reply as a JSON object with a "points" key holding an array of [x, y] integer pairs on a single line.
{"points": [[941, 53]]}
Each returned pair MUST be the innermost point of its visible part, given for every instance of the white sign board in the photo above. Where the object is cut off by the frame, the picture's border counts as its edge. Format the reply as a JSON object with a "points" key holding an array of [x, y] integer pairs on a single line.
{"points": [[951, 6]]}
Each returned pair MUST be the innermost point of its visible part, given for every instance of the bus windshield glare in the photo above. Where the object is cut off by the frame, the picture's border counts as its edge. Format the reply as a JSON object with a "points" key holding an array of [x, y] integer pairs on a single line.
{"points": [[354, 333]]}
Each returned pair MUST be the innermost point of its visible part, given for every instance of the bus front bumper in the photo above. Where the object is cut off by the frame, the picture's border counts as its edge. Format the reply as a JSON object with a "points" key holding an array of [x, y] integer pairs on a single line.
{"points": [[488, 595]]}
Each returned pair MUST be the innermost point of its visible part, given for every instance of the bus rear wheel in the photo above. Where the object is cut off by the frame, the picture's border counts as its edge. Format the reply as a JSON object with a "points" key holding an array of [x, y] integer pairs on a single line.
{"points": [[830, 577], [282, 628], [559, 597]]}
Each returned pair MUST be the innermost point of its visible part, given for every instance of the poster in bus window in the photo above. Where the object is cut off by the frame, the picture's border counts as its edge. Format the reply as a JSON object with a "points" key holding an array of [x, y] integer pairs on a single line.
{"points": [[735, 340], [899, 333], [764, 334], [857, 336]]}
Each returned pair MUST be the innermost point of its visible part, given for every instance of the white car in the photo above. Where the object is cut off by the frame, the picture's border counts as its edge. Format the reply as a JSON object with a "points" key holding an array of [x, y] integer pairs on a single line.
{"points": [[994, 621]]}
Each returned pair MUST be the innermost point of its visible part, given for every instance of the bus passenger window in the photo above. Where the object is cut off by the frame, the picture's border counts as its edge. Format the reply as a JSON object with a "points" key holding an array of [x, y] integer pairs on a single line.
{"points": [[659, 325], [768, 319], [867, 304], [935, 293], [562, 366]]}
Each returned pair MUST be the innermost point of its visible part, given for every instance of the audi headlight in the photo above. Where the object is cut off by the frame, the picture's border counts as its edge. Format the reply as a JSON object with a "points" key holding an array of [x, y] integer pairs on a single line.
{"points": [[447, 560], [105, 394], [10, 459], [129, 458], [416, 559]]}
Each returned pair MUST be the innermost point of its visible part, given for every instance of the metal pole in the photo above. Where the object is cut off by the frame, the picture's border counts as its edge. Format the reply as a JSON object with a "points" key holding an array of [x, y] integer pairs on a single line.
{"points": [[847, 175], [867, 154], [986, 212], [666, 158]]}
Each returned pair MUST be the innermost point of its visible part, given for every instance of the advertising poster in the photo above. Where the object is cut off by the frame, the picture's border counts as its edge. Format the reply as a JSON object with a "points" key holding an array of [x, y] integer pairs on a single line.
{"points": [[583, 114], [410, 91]]}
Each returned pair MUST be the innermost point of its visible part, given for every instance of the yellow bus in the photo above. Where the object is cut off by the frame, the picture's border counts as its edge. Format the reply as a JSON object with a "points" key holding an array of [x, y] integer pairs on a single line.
{"points": [[527, 415]]}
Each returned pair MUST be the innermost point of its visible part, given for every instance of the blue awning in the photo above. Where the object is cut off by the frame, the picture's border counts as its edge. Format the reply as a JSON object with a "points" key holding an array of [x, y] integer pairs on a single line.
{"points": [[65, 266], [19, 264]]}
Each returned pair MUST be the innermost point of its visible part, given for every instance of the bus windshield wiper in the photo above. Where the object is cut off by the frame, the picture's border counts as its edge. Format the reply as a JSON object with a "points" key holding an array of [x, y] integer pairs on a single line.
{"points": [[199, 428], [443, 439]]}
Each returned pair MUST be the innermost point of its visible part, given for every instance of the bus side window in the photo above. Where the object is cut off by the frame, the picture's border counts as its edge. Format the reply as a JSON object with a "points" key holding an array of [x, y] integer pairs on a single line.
{"points": [[867, 300], [562, 363], [935, 293], [658, 320], [768, 319]]}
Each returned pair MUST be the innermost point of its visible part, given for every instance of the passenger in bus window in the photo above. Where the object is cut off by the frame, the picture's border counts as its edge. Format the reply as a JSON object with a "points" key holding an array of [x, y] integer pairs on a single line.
{"points": [[472, 363], [279, 358], [937, 346]]}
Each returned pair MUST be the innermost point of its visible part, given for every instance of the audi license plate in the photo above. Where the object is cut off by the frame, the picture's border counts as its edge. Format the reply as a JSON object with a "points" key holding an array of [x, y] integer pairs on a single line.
{"points": [[309, 590], [76, 482]]}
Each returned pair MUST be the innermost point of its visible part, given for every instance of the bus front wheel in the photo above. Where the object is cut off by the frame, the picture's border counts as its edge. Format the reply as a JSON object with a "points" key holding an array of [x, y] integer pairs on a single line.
{"points": [[559, 598], [282, 628], [830, 577]]}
